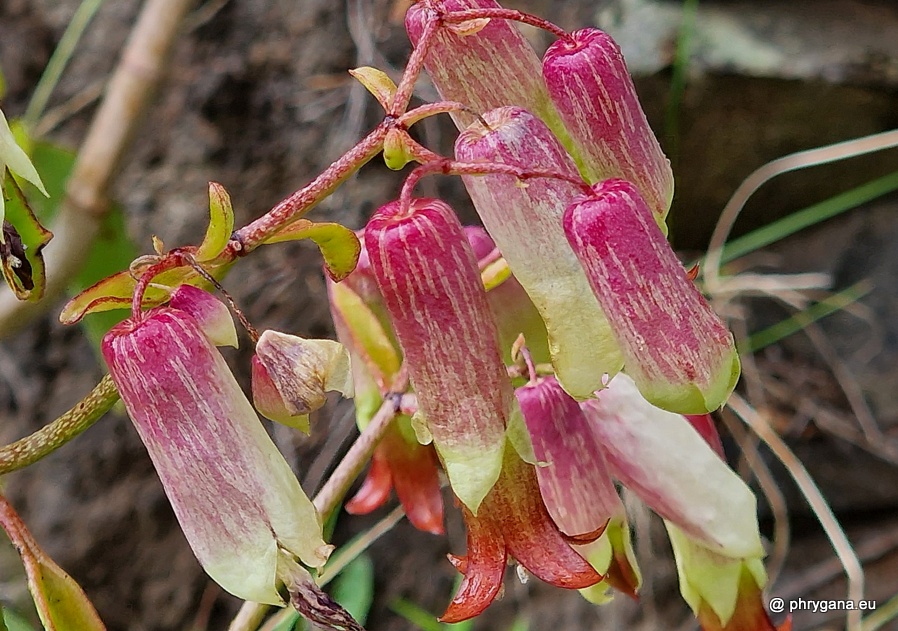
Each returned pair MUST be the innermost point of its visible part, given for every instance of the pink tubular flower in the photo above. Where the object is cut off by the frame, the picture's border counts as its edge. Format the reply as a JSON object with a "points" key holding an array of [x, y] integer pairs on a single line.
{"points": [[576, 485], [399, 461], [589, 83], [709, 511], [526, 224], [432, 290], [573, 477], [513, 521], [675, 347], [239, 504]]}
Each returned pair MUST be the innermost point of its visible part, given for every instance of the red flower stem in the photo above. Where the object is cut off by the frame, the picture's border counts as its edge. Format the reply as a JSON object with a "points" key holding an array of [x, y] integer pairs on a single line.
{"points": [[413, 69], [451, 167], [430, 109], [458, 17], [328, 498], [296, 205], [170, 261]]}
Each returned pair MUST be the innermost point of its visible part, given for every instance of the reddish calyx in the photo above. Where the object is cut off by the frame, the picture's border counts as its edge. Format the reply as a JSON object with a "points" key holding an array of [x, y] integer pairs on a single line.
{"points": [[512, 520]]}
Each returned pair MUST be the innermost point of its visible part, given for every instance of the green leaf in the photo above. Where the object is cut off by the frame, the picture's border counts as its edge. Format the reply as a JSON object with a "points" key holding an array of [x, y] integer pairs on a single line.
{"points": [[14, 622], [13, 156], [21, 251], [114, 292], [354, 587], [221, 223], [425, 620], [338, 244], [377, 82], [61, 603]]}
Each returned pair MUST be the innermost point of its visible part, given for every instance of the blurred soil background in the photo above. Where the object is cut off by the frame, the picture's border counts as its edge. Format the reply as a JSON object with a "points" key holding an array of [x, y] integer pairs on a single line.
{"points": [[257, 97]]}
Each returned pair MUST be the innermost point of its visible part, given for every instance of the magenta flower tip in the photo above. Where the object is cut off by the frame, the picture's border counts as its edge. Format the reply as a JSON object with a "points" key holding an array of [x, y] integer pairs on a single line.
{"points": [[676, 348]]}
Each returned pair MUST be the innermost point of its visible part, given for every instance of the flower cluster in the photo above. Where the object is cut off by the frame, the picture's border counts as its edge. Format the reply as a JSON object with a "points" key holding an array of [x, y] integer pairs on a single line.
{"points": [[558, 350], [539, 360]]}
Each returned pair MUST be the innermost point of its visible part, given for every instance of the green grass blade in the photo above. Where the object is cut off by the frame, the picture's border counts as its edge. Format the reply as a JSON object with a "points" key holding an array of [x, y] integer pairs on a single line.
{"points": [[59, 60], [354, 588], [418, 616], [797, 322], [809, 216]]}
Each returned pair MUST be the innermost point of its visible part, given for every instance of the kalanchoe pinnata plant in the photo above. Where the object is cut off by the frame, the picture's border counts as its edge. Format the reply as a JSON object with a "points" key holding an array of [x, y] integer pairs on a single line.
{"points": [[429, 280], [589, 83], [675, 347], [572, 294], [709, 511], [526, 223], [239, 504]]}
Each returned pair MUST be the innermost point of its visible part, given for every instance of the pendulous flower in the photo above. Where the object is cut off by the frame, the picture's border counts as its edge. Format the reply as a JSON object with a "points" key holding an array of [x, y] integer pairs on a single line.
{"points": [[462, 62], [399, 461], [431, 287], [576, 484], [588, 81], [675, 348], [526, 223], [513, 521], [710, 513], [239, 504]]}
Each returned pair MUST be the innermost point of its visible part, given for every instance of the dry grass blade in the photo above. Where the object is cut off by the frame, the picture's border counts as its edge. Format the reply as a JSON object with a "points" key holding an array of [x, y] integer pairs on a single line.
{"points": [[792, 162], [773, 494], [821, 508]]}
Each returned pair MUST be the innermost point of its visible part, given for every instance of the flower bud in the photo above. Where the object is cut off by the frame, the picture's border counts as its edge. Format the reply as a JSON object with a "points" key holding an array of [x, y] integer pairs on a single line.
{"points": [[239, 504], [526, 223], [291, 375], [675, 347], [589, 83], [431, 288]]}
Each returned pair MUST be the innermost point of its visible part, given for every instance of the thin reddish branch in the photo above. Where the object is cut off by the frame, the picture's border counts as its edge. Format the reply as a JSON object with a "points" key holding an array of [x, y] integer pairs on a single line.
{"points": [[413, 69], [459, 17], [446, 166], [290, 209]]}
